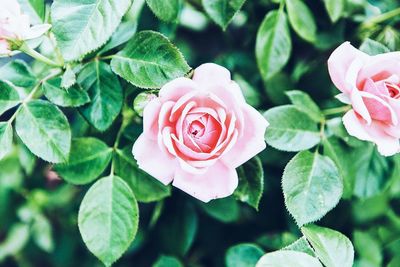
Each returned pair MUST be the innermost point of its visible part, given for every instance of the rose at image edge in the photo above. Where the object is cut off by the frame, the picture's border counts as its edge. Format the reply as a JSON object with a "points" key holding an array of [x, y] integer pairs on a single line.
{"points": [[371, 85], [198, 131]]}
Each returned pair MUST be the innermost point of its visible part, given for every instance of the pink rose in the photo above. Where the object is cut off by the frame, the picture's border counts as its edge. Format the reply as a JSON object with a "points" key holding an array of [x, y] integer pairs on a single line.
{"points": [[198, 131], [16, 26], [371, 84]]}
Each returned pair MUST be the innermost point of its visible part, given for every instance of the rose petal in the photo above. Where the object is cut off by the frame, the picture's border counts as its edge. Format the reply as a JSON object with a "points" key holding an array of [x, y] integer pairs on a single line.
{"points": [[211, 74], [218, 181], [150, 118], [177, 88], [379, 109], [36, 31], [153, 161], [359, 106]]}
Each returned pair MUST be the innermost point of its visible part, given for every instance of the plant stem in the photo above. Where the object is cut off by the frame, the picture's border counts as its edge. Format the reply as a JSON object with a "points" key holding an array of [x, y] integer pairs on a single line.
{"points": [[36, 55], [338, 110], [382, 17]]}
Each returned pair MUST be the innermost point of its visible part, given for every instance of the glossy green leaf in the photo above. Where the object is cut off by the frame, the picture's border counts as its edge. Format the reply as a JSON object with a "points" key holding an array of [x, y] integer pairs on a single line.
{"points": [[105, 93], [251, 182], [286, 258], [335, 9], [243, 255], [6, 138], [145, 187], [225, 210], [165, 10], [44, 129], [149, 60], [373, 48], [125, 31], [9, 96], [222, 11], [331, 247], [291, 129], [303, 102], [74, 96], [167, 261], [18, 73], [273, 44], [68, 78], [301, 245], [301, 19], [311, 186], [88, 27], [88, 159], [35, 9], [108, 218]]}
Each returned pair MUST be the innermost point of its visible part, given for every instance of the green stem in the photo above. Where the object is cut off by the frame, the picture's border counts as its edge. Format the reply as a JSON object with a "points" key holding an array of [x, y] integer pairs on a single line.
{"points": [[338, 110], [36, 55], [382, 17]]}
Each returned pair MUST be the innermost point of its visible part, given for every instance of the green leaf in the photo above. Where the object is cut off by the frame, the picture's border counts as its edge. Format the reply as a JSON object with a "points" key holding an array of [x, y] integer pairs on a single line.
{"points": [[88, 27], [105, 93], [243, 255], [26, 158], [71, 97], [165, 10], [286, 258], [18, 73], [225, 210], [250, 93], [304, 103], [42, 233], [251, 182], [88, 159], [145, 187], [149, 60], [301, 245], [125, 31], [35, 9], [44, 129], [291, 129], [311, 186], [108, 218], [373, 48], [167, 261], [368, 248], [301, 19], [222, 11], [9, 97], [331, 247], [16, 240], [273, 44], [6, 138], [335, 9], [68, 78]]}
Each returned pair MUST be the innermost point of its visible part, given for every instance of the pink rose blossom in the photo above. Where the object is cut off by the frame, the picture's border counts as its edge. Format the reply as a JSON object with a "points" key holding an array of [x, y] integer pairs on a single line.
{"points": [[16, 26], [371, 84], [198, 131]]}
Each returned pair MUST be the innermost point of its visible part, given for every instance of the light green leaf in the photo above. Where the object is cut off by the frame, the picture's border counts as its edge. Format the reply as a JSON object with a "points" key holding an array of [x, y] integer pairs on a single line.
{"points": [[331, 247], [35, 9], [291, 129], [149, 60], [304, 103], [125, 31], [273, 44], [108, 218], [373, 48], [72, 97], [301, 19], [105, 93], [83, 26], [18, 73], [335, 9], [68, 78], [243, 255], [286, 258], [311, 186], [9, 97], [165, 10], [16, 240], [88, 159], [6, 138], [26, 158], [251, 182], [250, 93], [368, 248], [222, 11], [167, 261], [225, 210], [301, 245], [44, 129], [145, 187], [42, 233]]}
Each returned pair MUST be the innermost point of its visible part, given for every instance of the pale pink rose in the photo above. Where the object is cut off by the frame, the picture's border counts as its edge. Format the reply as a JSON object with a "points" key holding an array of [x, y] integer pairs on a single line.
{"points": [[371, 84], [198, 131], [16, 26]]}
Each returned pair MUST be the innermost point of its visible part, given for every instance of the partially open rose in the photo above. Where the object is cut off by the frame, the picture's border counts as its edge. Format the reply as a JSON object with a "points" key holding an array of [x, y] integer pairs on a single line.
{"points": [[371, 84], [198, 131], [16, 26]]}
